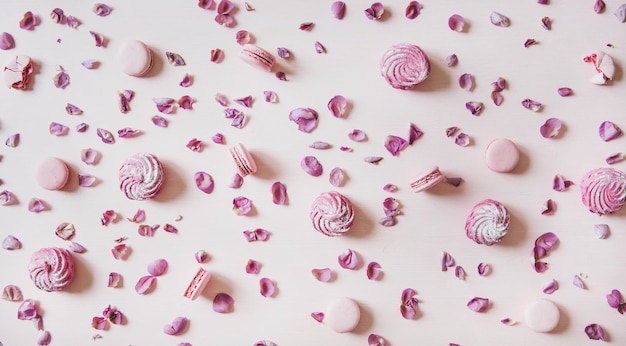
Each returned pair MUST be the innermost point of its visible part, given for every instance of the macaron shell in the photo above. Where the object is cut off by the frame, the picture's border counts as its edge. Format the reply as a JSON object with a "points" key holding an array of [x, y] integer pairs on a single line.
{"points": [[342, 315], [134, 58], [427, 180], [198, 284], [542, 315], [52, 174], [501, 155], [257, 57]]}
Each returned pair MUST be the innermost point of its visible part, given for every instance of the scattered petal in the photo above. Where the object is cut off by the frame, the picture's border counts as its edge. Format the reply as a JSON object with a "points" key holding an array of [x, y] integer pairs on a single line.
{"points": [[120, 252], [451, 131], [245, 101], [546, 23], [338, 9], [113, 315], [175, 59], [100, 323], [236, 181], [98, 38], [36, 205], [242, 37], [307, 26], [267, 287], [337, 106], [90, 64], [497, 98], [279, 193], [373, 159], [609, 131], [507, 321], [90, 156], [595, 332], [337, 177], [57, 129], [408, 306], [319, 48], [6, 41], [318, 316], [115, 280], [620, 13], [447, 261], [323, 274], [82, 127], [452, 60], [530, 42], [195, 145], [73, 110], [12, 293], [390, 188], [157, 267], [242, 205], [253, 267], [466, 81], [217, 55], [29, 21], [145, 284], [204, 182], [375, 11], [549, 208], [159, 121], [414, 133], [270, 96], [375, 340], [454, 181], [412, 11], [484, 269], [186, 81], [602, 231], [11, 243], [578, 282], [222, 303], [77, 248], [127, 132], [125, 97], [395, 144], [499, 19], [499, 84], [177, 326], [147, 230], [547, 241], [551, 128], [72, 22], [564, 91], [185, 102], [101, 10], [373, 271], [57, 16], [615, 158], [550, 287], [281, 76], [13, 140], [218, 138], [201, 256], [320, 145], [560, 184], [357, 135], [221, 99], [478, 304], [105, 136], [614, 299], [311, 166], [460, 273], [225, 7], [456, 22], [257, 234], [65, 230], [27, 310], [475, 107], [598, 6], [348, 259], [462, 139], [306, 118]]}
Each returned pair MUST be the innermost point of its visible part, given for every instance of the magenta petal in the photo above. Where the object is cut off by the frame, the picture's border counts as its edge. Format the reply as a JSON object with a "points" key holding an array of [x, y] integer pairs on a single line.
{"points": [[57, 129], [546, 23], [245, 101], [204, 182], [186, 81], [267, 287], [12, 293], [318, 316], [337, 106], [323, 274], [375, 11], [145, 284], [475, 107], [157, 267], [242, 37], [270, 96], [499, 19], [614, 299], [65, 231], [499, 84], [547, 241], [373, 271], [337, 177], [105, 136], [395, 144], [598, 6], [101, 10], [279, 193], [98, 38], [497, 98], [478, 304], [222, 303], [452, 60], [185, 102], [373, 159], [375, 340], [73, 110], [121, 251], [177, 326], [549, 208], [61, 80], [615, 158], [595, 332], [72, 22], [466, 81], [242, 205], [13, 140], [99, 323], [564, 91], [253, 267], [456, 22], [236, 181], [507, 321], [551, 128], [76, 247], [602, 230], [225, 6], [11, 243], [319, 47], [414, 133], [6, 41], [348, 259], [306, 118], [550, 287], [127, 132], [357, 135], [258, 234], [484, 269], [195, 145], [529, 42], [560, 184], [462, 139], [29, 21], [115, 280], [36, 205], [311, 166], [390, 188], [532, 105], [27, 310], [159, 121], [578, 282], [446, 261], [412, 10], [609, 131], [169, 228], [338, 9], [460, 273]]}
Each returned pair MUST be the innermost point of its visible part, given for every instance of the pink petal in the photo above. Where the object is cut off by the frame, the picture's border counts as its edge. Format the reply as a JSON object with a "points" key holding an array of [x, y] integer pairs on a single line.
{"points": [[323, 274], [373, 271], [65, 231], [127, 132], [478, 304], [165, 104], [357, 135], [499, 84], [218, 138], [72, 22], [29, 21], [185, 102], [6, 41], [320, 145], [306, 118], [609, 131], [547, 241], [242, 205], [451, 131], [447, 261], [530, 42], [373, 159], [390, 188], [279, 193], [221, 99], [12, 293], [57, 16], [546, 22], [73, 110], [11, 243], [614, 299], [267, 287], [225, 7], [484, 269], [61, 80], [412, 10], [466, 81], [186, 81], [242, 37], [532, 105], [77, 248], [311, 166], [507, 321], [147, 230], [225, 19], [620, 13], [36, 205], [108, 217], [387, 221], [159, 121], [217, 55], [395, 144], [497, 98], [101, 10], [474, 107], [414, 133], [560, 184], [204, 182], [564, 91], [281, 76], [222, 303], [337, 177], [550, 287], [306, 26], [175, 59], [375, 11], [13, 140], [98, 38], [140, 216], [318, 316], [462, 139], [549, 208], [375, 340], [201, 256], [595, 332], [452, 60], [105, 136], [245, 101], [82, 127], [337, 106], [348, 259], [456, 22], [90, 64], [86, 180], [27, 310], [598, 6], [408, 307], [195, 145], [7, 198], [319, 47], [177, 326], [551, 128], [236, 181], [258, 234], [253, 267], [169, 228], [338, 9], [100, 323], [602, 230], [264, 343], [113, 315], [459, 272], [90, 156], [145, 284], [283, 52], [115, 280], [270, 96], [120, 252], [157, 267], [499, 19], [615, 158], [578, 282]]}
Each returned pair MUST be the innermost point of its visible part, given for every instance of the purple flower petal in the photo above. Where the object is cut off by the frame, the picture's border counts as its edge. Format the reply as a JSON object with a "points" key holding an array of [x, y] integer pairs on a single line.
{"points": [[115, 280], [549, 208], [145, 284], [337, 177], [86, 180], [98, 38], [598, 6], [11, 243], [452, 60], [258, 234], [551, 128], [546, 23], [105, 136], [531, 105], [100, 323], [462, 139], [101, 10], [550, 287], [460, 273], [120, 252], [108, 217], [90, 64], [323, 274], [125, 97], [127, 132], [390, 188], [175, 59], [279, 193], [242, 37], [595, 332], [65, 230], [373, 159], [82, 127], [414, 133], [602, 230], [157, 267], [267, 287], [456, 22], [373, 271], [6, 41], [338, 9], [578, 282], [270, 96], [447, 261], [499, 84], [311, 166], [337, 106], [281, 76], [217, 55], [245, 101], [497, 98], [147, 230], [375, 340], [560, 184], [223, 303], [547, 241], [395, 144], [615, 158], [36, 205], [186, 81], [375, 11], [357, 135], [564, 91], [408, 306], [530, 42], [236, 181], [57, 129], [484, 269], [225, 7], [475, 107], [72, 22], [507, 321], [90, 156], [306, 118], [412, 10], [306, 26], [242, 206], [614, 299], [478, 304], [77, 248], [319, 47], [609, 131], [348, 259], [12, 293], [159, 121], [466, 81], [201, 256], [620, 13], [73, 110], [57, 15], [29, 21], [320, 145], [177, 326], [225, 19], [387, 221], [221, 99], [13, 140], [27, 310], [185, 102], [499, 19], [195, 145], [253, 267], [451, 131]]}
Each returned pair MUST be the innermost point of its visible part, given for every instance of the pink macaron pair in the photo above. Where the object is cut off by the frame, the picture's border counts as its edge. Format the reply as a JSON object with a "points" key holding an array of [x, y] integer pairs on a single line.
{"points": [[257, 57]]}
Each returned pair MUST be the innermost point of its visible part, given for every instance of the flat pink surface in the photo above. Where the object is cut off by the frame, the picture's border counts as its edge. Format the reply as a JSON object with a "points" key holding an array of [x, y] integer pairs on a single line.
{"points": [[409, 253]]}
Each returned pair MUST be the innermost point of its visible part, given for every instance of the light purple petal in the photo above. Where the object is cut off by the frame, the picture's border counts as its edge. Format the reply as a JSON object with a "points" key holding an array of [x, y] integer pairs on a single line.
{"points": [[547, 241], [115, 280], [318, 316], [270, 96], [452, 60], [253, 267], [609, 131], [90, 64], [73, 110], [27, 310], [390, 188], [195, 145], [186, 81], [466, 81], [530, 42], [159, 121], [157, 267], [451, 131], [77, 248], [337, 106], [11, 243], [414, 133], [311, 166], [90, 156], [201, 256], [408, 306], [105, 136], [337, 177], [578, 282], [36, 205], [602, 230], [44, 339], [338, 9], [279, 193], [460, 273], [620, 13], [391, 206], [57, 15], [507, 321], [375, 11], [412, 10], [614, 299], [499, 84], [373, 159], [236, 181], [319, 47], [595, 332], [127, 132], [387, 221], [456, 22], [225, 19], [12, 293], [29, 21], [267, 288], [564, 91], [306, 118], [177, 326], [57, 129], [531, 105], [101, 10], [82, 127], [320, 145], [175, 59], [375, 340], [475, 107], [478, 304], [242, 206], [484, 269], [221, 99], [283, 52], [373, 271], [560, 184], [13, 140], [615, 158], [549, 207], [550, 287], [598, 6], [497, 98], [357, 135], [121, 251], [348, 259], [546, 23], [145, 284], [225, 7], [245, 101], [204, 182], [462, 139], [499, 19], [242, 37], [108, 217], [323, 274], [72, 22], [447, 261], [551, 128], [98, 38], [395, 144], [6, 41], [65, 230]]}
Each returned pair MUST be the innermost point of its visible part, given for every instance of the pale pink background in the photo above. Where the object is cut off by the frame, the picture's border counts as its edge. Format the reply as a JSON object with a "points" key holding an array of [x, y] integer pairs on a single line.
{"points": [[409, 253]]}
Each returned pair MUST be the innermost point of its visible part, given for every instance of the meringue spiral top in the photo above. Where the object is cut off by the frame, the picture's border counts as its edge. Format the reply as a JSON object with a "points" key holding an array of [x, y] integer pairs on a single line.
{"points": [[404, 65], [141, 176], [332, 213], [603, 190], [488, 222], [51, 269]]}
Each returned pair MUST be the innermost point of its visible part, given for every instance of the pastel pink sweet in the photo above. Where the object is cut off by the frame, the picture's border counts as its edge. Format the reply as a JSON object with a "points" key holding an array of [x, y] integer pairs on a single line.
{"points": [[488, 222], [428, 179], [257, 57], [243, 160], [604, 65], [134, 58], [141, 176], [342, 314], [197, 284], [332, 214], [542, 315], [404, 65], [17, 72], [52, 174], [603, 190], [501, 155], [51, 269]]}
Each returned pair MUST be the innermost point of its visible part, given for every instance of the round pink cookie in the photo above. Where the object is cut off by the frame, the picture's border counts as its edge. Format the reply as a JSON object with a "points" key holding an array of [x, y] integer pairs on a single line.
{"points": [[17, 72], [404, 65], [542, 315], [427, 179], [134, 58], [342, 315], [501, 155], [197, 284], [52, 174], [243, 159], [257, 57], [51, 269]]}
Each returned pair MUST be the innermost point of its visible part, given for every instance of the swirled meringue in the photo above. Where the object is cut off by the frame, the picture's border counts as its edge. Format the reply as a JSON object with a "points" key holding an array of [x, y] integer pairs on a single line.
{"points": [[332, 213], [51, 269], [141, 176], [404, 65], [603, 190], [488, 222]]}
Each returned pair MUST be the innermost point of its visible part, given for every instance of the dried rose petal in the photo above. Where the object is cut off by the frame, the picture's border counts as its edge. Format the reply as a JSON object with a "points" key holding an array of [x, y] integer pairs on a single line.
{"points": [[236, 181], [499, 84], [157, 267], [27, 310], [175, 59], [614, 299], [478, 304], [507, 321], [373, 271], [222, 303], [451, 131], [77, 248], [609, 131], [90, 64], [186, 81], [245, 101], [253, 267], [29, 21], [57, 129], [550, 287], [177, 326], [13, 140], [475, 107], [602, 230], [267, 287], [452, 60], [387, 221], [348, 259], [115, 280], [242, 205], [90, 156], [306, 118], [414, 133], [270, 96], [620, 13], [242, 37], [147, 230], [546, 23], [100, 323], [337, 106], [121, 251], [595, 332], [98, 38], [319, 47], [320, 145], [551, 128], [73, 110], [549, 207], [357, 135], [390, 188], [447, 261], [57, 16], [264, 343], [466, 81], [323, 274], [201, 256], [395, 144], [460, 273], [412, 10], [564, 91], [11, 243], [128, 132], [311, 166], [499, 19], [257, 234], [598, 6], [217, 55], [318, 316], [195, 145], [373, 159], [560, 184], [204, 182], [65, 230], [145, 284], [615, 158], [105, 136], [375, 11], [82, 127], [375, 340], [281, 76], [578, 282], [408, 306], [530, 42], [108, 217], [36, 205], [159, 121], [456, 22], [12, 293], [484, 269], [218, 138], [6, 41], [72, 22], [462, 139], [101, 10], [338, 9], [547, 241], [307, 26], [279, 193], [497, 98], [337, 177]]}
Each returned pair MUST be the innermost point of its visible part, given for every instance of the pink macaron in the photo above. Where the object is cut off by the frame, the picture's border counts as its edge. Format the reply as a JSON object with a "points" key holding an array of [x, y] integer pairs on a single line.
{"points": [[342, 315], [542, 315], [135, 58], [197, 284], [243, 159], [257, 57], [427, 179], [501, 155], [52, 174]]}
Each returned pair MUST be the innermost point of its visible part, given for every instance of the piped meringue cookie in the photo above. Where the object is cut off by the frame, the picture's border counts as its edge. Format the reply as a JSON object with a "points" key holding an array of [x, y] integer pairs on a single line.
{"points": [[603, 190], [404, 66], [332, 214], [141, 176], [51, 269], [604, 65], [488, 222]]}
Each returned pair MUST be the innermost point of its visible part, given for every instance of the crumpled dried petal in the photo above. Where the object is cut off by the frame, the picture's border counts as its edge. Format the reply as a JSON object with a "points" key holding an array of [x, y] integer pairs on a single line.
{"points": [[253, 267], [595, 332], [530, 42], [357, 135], [90, 156], [65, 230], [29, 21], [462, 139], [159, 121], [267, 287], [185, 102], [408, 306], [549, 207], [12, 293], [460, 273], [217, 55], [147, 230], [7, 198], [225, 7], [578, 282], [106, 136], [564, 91], [615, 299], [337, 177], [546, 23], [466, 81], [57, 129], [322, 274], [37, 205], [201, 256], [279, 193], [76, 247], [27, 310], [270, 96], [609, 131], [101, 10], [145, 284], [306, 26], [620, 13], [311, 166], [373, 271], [72, 22], [120, 251], [338, 105], [560, 184], [306, 118], [456, 22], [264, 343], [395, 144], [602, 230], [452, 60], [204, 182], [13, 140], [175, 59], [128, 132], [125, 97], [257, 234], [319, 47], [375, 11], [390, 188], [242, 37], [157, 267], [412, 10], [475, 107], [176, 327], [86, 180], [115, 280], [484, 269], [497, 98], [57, 15], [447, 261], [499, 84], [10, 242], [499, 19], [73, 110], [373, 159], [6, 41], [598, 6], [245, 101], [550, 287], [375, 340], [82, 127], [242, 205], [414, 133], [478, 304], [318, 316], [547, 241], [222, 303], [507, 321], [338, 9], [165, 104], [615, 158], [186, 81], [551, 128], [348, 259], [281, 75], [113, 315], [236, 181], [90, 64], [98, 38], [320, 145]]}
